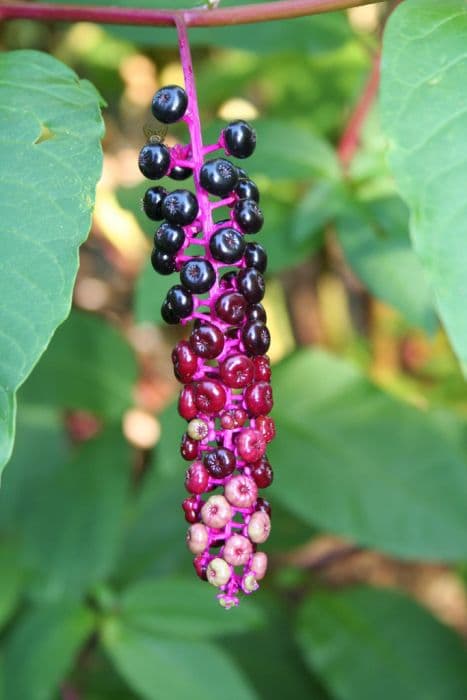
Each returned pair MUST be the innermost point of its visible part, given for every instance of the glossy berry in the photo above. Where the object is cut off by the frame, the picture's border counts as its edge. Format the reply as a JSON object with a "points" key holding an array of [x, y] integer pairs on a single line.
{"points": [[246, 189], [178, 172], [251, 445], [263, 505], [250, 283], [228, 279], [237, 371], [169, 238], [248, 215], [216, 512], [227, 245], [197, 429], [256, 312], [238, 549], [233, 419], [189, 448], [241, 491], [180, 300], [255, 256], [187, 402], [262, 368], [262, 473], [192, 509], [152, 202], [163, 263], [218, 176], [210, 396], [168, 314], [259, 564], [258, 398], [201, 567], [218, 572], [266, 426], [240, 139], [180, 207], [256, 338], [184, 361], [154, 160], [231, 308], [198, 275], [259, 527], [197, 538], [196, 478], [207, 341], [220, 462], [169, 104]]}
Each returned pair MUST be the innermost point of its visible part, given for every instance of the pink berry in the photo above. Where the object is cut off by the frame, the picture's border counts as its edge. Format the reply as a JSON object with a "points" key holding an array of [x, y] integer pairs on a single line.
{"points": [[237, 371], [251, 445], [218, 572], [207, 341], [197, 538], [259, 527], [258, 398], [184, 361], [266, 426], [262, 368], [196, 478], [237, 550], [262, 473], [186, 403], [259, 564], [210, 396], [241, 491], [216, 512], [192, 509]]}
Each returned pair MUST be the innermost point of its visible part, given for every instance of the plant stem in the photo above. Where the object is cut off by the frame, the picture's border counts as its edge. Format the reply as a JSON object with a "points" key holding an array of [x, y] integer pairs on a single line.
{"points": [[245, 14]]}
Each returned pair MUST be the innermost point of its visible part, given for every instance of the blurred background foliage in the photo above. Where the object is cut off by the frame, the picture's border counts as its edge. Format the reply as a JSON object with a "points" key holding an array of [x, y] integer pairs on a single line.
{"points": [[365, 598]]}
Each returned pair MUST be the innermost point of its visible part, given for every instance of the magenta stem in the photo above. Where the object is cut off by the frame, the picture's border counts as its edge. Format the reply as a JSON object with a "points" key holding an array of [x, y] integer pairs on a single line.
{"points": [[245, 14]]}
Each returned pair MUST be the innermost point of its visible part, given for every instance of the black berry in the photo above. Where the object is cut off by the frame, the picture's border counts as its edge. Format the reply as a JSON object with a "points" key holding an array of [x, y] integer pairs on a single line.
{"points": [[256, 338], [154, 160], [169, 238], [169, 104], [180, 207], [227, 245], [198, 275], [178, 172], [250, 283], [256, 312], [248, 215], [180, 301], [246, 189], [218, 176], [162, 262], [240, 139], [152, 202], [168, 314], [231, 307], [256, 256]]}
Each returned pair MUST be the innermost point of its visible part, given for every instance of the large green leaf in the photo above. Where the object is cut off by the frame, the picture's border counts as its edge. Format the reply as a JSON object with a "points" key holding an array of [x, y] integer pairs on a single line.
{"points": [[50, 162], [41, 648], [353, 460], [424, 113], [89, 365], [159, 668], [368, 644], [375, 239], [11, 581]]}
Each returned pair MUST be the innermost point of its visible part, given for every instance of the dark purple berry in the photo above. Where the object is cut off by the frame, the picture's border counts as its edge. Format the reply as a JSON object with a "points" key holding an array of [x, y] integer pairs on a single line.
{"points": [[154, 160], [256, 312], [207, 341], [246, 189], [178, 172], [250, 283], [240, 139], [169, 238], [168, 314], [152, 202], [262, 473], [237, 371], [218, 176], [220, 462], [231, 307], [227, 245], [248, 215], [256, 338], [229, 279], [256, 256], [180, 300], [162, 262], [169, 104], [198, 275], [180, 207]]}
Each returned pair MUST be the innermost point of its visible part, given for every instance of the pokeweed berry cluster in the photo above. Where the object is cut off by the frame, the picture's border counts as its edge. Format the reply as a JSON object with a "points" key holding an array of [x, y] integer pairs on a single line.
{"points": [[223, 365]]}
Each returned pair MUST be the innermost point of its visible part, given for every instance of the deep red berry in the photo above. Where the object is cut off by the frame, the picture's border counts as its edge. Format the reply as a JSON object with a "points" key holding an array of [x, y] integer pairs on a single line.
{"points": [[184, 361], [210, 397], [187, 403], [207, 341], [220, 462], [233, 419], [256, 338], [231, 308], [262, 368], [251, 445], [196, 478], [237, 371], [263, 505], [258, 398], [192, 509], [266, 426], [262, 473], [189, 448], [201, 566]]}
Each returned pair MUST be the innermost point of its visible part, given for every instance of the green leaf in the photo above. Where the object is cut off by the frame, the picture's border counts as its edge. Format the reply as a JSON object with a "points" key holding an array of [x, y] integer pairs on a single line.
{"points": [[11, 581], [319, 205], [175, 607], [424, 113], [150, 292], [50, 162], [375, 239], [351, 459], [66, 512], [159, 668], [89, 366], [41, 648], [368, 644]]}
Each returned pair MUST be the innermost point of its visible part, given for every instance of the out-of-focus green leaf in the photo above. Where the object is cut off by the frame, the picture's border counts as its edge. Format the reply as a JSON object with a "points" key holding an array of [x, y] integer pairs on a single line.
{"points": [[150, 292], [368, 644], [424, 113], [183, 609], [51, 160], [355, 461], [40, 650], [159, 668], [89, 366], [320, 204], [11, 581], [375, 239]]}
